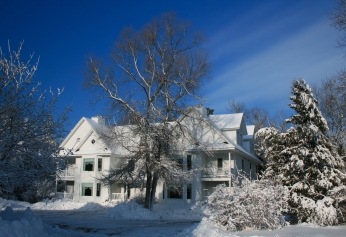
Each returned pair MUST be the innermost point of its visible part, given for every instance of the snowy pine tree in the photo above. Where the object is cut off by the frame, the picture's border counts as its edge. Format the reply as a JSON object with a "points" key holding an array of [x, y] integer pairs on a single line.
{"points": [[305, 160]]}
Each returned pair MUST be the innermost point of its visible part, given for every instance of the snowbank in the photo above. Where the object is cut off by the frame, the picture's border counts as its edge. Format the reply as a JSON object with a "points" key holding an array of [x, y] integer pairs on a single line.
{"points": [[66, 204], [60, 204], [18, 205], [25, 223], [134, 211]]}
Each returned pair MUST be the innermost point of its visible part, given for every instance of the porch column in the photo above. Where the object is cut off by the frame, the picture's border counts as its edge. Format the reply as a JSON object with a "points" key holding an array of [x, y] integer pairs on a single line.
{"points": [[230, 168]]}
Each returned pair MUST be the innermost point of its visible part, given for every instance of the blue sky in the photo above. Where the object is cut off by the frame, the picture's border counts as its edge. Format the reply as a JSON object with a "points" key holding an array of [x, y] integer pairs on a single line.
{"points": [[256, 47]]}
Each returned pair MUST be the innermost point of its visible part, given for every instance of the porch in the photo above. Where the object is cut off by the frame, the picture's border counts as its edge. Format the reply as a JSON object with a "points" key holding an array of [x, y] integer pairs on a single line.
{"points": [[64, 189], [69, 170], [64, 195], [209, 172], [119, 197]]}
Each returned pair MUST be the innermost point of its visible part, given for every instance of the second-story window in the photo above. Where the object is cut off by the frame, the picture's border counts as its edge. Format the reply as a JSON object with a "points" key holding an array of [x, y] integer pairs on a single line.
{"points": [[88, 164], [219, 163], [239, 138], [188, 162], [179, 160], [99, 164]]}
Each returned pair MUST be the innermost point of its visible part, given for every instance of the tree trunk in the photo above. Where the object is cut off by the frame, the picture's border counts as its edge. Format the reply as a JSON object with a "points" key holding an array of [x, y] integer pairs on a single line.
{"points": [[148, 190], [153, 191]]}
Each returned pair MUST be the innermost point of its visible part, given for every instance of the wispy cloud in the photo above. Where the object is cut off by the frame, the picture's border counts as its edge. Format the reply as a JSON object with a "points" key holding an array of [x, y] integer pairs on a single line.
{"points": [[263, 77]]}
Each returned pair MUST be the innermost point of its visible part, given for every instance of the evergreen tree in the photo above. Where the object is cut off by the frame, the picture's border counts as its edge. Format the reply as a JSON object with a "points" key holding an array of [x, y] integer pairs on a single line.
{"points": [[305, 160]]}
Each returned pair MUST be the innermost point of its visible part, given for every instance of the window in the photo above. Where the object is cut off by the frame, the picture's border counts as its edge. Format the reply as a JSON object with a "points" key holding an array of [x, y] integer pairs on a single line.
{"points": [[188, 191], [98, 189], [179, 160], [87, 189], [250, 166], [99, 164], [242, 164], [189, 162], [88, 164], [175, 192], [219, 163], [239, 138], [131, 165]]}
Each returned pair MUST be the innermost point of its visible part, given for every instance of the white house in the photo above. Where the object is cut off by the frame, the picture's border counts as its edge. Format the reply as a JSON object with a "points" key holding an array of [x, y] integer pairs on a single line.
{"points": [[228, 147]]}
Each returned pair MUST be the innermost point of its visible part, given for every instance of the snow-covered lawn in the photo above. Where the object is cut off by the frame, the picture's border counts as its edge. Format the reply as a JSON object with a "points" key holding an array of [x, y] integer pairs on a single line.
{"points": [[67, 218]]}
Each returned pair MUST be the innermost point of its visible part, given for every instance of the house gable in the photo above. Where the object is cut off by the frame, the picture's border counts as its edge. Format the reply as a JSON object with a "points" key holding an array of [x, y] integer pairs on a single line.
{"points": [[215, 132], [201, 129], [84, 139]]}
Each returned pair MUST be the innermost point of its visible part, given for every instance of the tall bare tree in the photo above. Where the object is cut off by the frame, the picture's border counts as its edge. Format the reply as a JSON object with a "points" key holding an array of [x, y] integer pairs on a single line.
{"points": [[156, 71], [259, 117], [332, 99], [338, 18]]}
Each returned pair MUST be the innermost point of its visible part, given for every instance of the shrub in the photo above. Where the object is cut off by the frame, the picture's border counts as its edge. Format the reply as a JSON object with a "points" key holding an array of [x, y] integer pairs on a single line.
{"points": [[249, 204]]}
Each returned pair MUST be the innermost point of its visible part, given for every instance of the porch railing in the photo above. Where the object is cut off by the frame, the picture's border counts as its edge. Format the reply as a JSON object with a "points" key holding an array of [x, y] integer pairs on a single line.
{"points": [[67, 172], [215, 172], [118, 196], [64, 195]]}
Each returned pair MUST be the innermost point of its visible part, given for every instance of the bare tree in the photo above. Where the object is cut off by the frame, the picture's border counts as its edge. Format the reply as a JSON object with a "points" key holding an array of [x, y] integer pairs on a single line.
{"points": [[332, 100], [156, 72], [254, 116], [30, 128], [338, 18]]}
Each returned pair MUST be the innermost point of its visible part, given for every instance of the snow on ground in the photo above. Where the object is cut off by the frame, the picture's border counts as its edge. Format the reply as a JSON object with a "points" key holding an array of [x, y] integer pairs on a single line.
{"points": [[26, 224], [124, 219], [207, 229]]}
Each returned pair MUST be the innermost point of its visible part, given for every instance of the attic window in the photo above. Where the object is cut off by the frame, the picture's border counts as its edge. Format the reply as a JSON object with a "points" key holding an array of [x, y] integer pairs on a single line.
{"points": [[225, 142], [93, 141]]}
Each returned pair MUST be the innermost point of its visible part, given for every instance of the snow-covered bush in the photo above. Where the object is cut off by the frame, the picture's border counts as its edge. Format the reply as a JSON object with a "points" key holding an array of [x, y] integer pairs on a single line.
{"points": [[41, 190], [249, 204]]}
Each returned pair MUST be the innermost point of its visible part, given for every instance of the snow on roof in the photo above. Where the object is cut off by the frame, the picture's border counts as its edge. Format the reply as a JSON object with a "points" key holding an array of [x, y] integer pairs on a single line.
{"points": [[227, 121], [95, 125]]}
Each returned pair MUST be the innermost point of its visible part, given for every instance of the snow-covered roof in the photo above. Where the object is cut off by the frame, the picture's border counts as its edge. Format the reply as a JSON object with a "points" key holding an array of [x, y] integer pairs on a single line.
{"points": [[227, 121]]}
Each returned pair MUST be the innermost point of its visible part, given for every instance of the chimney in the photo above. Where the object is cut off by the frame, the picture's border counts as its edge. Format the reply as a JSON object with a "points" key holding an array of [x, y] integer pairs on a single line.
{"points": [[201, 109], [99, 119]]}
